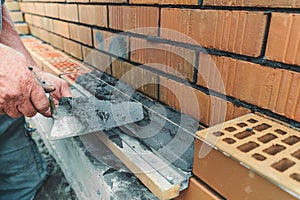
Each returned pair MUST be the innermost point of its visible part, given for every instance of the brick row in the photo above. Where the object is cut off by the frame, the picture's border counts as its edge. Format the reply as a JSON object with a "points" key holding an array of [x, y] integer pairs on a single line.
{"points": [[256, 3], [170, 59], [270, 88], [164, 2], [241, 32]]}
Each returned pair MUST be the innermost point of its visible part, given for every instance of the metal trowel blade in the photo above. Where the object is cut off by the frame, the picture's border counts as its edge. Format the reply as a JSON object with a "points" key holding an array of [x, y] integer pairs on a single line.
{"points": [[84, 115]]}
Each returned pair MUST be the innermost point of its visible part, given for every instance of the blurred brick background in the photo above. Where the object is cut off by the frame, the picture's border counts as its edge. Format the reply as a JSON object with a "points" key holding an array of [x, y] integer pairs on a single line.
{"points": [[255, 45]]}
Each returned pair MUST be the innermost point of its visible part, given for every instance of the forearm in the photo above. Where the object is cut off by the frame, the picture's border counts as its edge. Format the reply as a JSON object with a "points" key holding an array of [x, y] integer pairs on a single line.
{"points": [[10, 37]]}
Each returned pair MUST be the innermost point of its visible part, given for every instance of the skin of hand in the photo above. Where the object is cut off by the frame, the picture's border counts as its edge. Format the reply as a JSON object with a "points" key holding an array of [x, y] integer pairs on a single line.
{"points": [[61, 86], [20, 91]]}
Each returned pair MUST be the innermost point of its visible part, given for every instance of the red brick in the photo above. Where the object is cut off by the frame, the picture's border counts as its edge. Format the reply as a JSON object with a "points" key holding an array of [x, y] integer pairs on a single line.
{"points": [[116, 44], [68, 12], [138, 78], [78, 1], [143, 20], [61, 28], [37, 21], [52, 10], [266, 87], [28, 18], [73, 48], [170, 59], [169, 2], [14, 5], [197, 190], [47, 24], [284, 38], [81, 34], [241, 32], [93, 15], [97, 59], [44, 35], [256, 3], [56, 41]]}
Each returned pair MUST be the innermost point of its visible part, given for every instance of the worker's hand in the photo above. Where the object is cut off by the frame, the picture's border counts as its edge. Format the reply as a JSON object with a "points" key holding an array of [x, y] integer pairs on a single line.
{"points": [[20, 91], [61, 86]]}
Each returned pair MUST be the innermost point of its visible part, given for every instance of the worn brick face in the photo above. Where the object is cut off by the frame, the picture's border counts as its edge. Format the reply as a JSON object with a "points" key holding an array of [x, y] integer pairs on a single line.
{"points": [[143, 20], [240, 32], [93, 15], [167, 58], [81, 33], [284, 38]]}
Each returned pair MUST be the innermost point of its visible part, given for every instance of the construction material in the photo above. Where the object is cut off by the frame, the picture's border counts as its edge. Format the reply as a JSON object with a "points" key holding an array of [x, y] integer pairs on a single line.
{"points": [[258, 156]]}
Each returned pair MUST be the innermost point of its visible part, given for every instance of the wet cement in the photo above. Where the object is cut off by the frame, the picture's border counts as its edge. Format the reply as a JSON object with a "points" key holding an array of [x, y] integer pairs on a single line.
{"points": [[172, 139]]}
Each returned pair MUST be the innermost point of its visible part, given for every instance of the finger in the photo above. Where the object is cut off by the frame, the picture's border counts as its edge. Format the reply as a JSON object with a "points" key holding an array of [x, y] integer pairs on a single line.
{"points": [[65, 90], [39, 100], [12, 112], [27, 109], [48, 88]]}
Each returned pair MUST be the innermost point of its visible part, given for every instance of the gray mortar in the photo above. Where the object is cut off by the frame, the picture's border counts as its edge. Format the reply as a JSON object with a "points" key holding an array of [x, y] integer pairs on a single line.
{"points": [[167, 139]]}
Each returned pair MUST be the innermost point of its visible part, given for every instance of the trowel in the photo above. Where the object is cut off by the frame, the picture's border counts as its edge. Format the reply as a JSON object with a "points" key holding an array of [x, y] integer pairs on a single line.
{"points": [[84, 115]]}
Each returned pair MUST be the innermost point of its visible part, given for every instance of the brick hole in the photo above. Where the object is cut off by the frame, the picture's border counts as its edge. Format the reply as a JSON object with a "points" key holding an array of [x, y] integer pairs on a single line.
{"points": [[262, 127], [291, 140], [229, 140], [243, 134], [296, 154], [242, 124], [259, 157], [274, 149], [218, 134], [248, 146], [230, 129], [295, 176], [283, 164], [252, 121], [281, 132], [267, 138]]}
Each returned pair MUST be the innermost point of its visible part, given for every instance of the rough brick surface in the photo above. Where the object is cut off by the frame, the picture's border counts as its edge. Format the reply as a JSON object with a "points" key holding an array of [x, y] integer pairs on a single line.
{"points": [[167, 58], [56, 41], [240, 32], [72, 48], [61, 28], [143, 20], [116, 44], [93, 15], [39, 8], [171, 2], [284, 38], [256, 3], [207, 109], [273, 89], [81, 33], [68, 12]]}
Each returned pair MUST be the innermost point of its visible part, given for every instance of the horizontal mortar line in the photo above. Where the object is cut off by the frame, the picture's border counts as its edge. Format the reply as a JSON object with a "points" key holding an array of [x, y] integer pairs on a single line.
{"points": [[186, 6], [209, 92], [259, 60]]}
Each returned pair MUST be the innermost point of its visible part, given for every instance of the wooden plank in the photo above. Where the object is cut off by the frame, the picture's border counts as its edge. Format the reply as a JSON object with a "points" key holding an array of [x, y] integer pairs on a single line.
{"points": [[154, 181]]}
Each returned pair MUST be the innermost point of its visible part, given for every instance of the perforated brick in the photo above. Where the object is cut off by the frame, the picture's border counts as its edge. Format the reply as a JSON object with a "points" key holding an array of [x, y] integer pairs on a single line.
{"points": [[268, 149]]}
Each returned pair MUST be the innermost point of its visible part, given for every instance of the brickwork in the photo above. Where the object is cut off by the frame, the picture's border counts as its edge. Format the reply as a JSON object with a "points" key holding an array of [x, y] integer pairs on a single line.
{"points": [[238, 55]]}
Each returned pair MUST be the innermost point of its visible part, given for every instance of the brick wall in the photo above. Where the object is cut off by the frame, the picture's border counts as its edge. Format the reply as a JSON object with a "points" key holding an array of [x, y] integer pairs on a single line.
{"points": [[241, 55]]}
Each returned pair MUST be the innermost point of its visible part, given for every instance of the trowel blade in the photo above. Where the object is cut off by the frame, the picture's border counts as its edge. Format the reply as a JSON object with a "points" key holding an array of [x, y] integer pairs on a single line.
{"points": [[84, 115]]}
